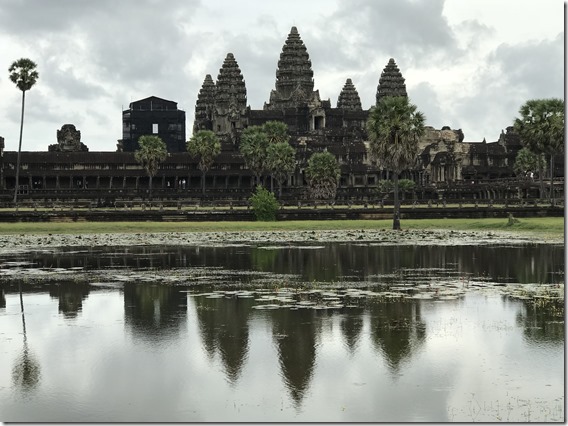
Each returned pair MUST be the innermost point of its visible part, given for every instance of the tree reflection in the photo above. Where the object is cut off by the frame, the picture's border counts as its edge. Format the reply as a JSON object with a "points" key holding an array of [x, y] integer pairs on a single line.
{"points": [[351, 326], [542, 321], [26, 372], [71, 296], [295, 336], [154, 310], [396, 330], [2, 297], [223, 326]]}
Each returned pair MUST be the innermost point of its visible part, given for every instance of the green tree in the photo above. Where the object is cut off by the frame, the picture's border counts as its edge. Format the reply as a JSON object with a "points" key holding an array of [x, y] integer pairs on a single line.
{"points": [[527, 161], [281, 161], [323, 174], [151, 153], [276, 131], [406, 185], [541, 129], [395, 127], [204, 145], [264, 204], [24, 75], [254, 143]]}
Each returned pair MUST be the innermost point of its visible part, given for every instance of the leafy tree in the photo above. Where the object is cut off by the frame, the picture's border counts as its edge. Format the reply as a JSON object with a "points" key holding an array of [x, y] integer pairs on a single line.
{"points": [[527, 161], [151, 153], [281, 161], [264, 204], [323, 174], [204, 145], [254, 143], [276, 131], [541, 129], [24, 75], [394, 127], [387, 186], [406, 185]]}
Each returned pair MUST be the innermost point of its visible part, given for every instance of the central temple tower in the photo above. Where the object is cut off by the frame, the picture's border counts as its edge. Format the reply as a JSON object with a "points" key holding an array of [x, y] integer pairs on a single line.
{"points": [[294, 76]]}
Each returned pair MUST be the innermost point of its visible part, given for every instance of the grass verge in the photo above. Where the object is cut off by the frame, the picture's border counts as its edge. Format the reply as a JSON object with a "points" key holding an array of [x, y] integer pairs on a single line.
{"points": [[552, 227]]}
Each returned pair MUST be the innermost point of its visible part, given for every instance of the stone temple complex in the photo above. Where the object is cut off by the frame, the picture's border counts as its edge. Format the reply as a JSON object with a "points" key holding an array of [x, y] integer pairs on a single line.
{"points": [[446, 166]]}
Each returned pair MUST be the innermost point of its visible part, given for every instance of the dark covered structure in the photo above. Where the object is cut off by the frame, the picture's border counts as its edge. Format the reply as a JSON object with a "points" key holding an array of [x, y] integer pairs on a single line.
{"points": [[153, 116]]}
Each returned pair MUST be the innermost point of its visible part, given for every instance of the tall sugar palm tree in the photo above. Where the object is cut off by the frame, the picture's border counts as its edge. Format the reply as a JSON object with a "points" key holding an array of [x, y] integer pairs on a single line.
{"points": [[24, 75], [151, 153], [254, 143], [394, 127], [281, 161], [541, 129], [204, 145]]}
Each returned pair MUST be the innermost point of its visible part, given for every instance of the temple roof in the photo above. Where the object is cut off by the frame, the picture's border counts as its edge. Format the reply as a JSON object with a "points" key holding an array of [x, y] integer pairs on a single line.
{"points": [[391, 82], [230, 84], [206, 96], [294, 76], [349, 97]]}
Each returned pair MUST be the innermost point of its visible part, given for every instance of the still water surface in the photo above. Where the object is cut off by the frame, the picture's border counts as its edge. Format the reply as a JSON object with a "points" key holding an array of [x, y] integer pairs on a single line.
{"points": [[337, 332]]}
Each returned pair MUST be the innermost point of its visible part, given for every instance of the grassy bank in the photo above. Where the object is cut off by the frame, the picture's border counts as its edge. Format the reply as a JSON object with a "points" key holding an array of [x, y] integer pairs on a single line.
{"points": [[549, 226]]}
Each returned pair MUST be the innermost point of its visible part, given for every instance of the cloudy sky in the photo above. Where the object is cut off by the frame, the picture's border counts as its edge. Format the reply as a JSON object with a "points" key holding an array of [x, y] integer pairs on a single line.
{"points": [[468, 64]]}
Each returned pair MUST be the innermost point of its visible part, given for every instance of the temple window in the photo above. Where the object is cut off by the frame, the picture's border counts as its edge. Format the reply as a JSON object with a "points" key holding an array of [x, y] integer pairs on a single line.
{"points": [[155, 128]]}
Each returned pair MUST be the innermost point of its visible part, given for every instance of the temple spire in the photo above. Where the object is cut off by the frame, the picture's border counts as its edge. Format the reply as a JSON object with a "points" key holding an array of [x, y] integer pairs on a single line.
{"points": [[294, 76], [349, 97], [391, 82], [204, 105], [230, 99]]}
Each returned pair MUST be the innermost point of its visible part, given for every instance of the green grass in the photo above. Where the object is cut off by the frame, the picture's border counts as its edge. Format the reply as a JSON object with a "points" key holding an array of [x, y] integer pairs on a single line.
{"points": [[550, 226]]}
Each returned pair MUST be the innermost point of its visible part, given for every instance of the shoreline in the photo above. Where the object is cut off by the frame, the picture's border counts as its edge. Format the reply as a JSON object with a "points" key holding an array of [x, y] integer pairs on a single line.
{"points": [[11, 244]]}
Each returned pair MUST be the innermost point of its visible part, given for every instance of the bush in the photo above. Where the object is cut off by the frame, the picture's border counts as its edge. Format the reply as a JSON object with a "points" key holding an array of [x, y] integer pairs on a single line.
{"points": [[264, 204]]}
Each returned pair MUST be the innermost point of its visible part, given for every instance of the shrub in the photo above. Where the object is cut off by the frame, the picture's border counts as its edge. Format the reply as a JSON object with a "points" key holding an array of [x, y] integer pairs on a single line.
{"points": [[264, 204]]}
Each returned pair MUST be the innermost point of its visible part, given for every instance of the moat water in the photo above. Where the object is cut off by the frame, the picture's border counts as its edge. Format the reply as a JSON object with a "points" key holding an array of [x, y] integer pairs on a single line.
{"points": [[331, 332]]}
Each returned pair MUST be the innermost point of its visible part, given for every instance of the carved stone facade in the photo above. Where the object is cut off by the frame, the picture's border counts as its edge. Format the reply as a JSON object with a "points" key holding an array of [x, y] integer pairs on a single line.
{"points": [[444, 157], [68, 140]]}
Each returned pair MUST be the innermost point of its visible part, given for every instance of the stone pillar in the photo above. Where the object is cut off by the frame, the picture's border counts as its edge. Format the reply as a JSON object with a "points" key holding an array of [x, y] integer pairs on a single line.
{"points": [[137, 181], [110, 183]]}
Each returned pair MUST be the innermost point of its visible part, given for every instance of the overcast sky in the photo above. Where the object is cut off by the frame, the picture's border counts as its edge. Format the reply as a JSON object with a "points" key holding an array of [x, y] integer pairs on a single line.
{"points": [[468, 64]]}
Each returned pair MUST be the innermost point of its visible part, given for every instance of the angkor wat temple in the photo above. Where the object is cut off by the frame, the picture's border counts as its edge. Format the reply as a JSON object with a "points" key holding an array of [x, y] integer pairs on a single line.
{"points": [[446, 167]]}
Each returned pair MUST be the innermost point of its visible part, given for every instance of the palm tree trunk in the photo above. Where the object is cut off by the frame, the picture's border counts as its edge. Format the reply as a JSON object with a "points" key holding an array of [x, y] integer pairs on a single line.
{"points": [[203, 183], [150, 194], [552, 178], [396, 214], [541, 178], [19, 149]]}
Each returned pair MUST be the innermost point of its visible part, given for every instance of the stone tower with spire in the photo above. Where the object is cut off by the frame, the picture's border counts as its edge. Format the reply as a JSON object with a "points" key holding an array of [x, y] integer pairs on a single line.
{"points": [[205, 106], [294, 76], [349, 98], [391, 82], [230, 100]]}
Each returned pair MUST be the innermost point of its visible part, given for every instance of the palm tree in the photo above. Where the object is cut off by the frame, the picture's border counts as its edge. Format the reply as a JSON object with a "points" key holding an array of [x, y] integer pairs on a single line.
{"points": [[276, 132], [281, 161], [394, 128], [24, 75], [323, 174], [151, 153], [254, 143], [204, 145], [541, 129]]}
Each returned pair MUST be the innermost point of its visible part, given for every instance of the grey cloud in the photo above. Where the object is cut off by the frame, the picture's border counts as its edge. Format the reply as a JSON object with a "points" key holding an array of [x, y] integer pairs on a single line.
{"points": [[409, 30], [535, 68], [514, 74]]}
